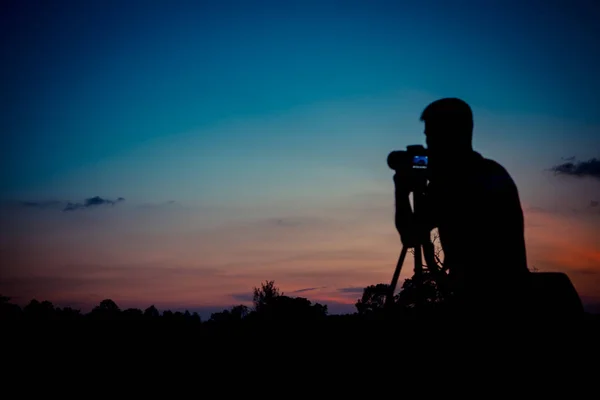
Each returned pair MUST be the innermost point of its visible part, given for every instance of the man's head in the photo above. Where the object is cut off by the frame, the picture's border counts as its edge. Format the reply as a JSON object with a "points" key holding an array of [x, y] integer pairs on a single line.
{"points": [[448, 130]]}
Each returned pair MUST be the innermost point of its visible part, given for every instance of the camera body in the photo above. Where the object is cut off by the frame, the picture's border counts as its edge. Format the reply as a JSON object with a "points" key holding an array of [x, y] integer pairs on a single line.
{"points": [[414, 159], [411, 164]]}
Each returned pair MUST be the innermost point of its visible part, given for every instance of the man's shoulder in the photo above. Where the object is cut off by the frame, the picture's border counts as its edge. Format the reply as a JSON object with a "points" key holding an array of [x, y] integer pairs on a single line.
{"points": [[492, 167], [494, 175]]}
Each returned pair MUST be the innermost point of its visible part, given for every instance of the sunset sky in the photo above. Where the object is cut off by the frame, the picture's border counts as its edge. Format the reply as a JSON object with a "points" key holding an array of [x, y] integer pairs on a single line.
{"points": [[243, 141]]}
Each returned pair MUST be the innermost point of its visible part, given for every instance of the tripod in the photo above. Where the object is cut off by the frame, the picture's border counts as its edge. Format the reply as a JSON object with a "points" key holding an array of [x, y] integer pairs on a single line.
{"points": [[423, 248]]}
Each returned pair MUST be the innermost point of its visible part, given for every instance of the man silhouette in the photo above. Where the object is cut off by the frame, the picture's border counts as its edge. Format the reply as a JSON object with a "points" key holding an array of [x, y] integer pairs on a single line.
{"points": [[475, 204]]}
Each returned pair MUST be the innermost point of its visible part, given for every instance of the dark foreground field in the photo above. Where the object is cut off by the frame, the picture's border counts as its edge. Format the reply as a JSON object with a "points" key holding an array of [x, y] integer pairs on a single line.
{"points": [[139, 355], [279, 330]]}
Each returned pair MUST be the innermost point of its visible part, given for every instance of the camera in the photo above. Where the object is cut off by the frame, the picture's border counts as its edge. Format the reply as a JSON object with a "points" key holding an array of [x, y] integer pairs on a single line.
{"points": [[413, 158]]}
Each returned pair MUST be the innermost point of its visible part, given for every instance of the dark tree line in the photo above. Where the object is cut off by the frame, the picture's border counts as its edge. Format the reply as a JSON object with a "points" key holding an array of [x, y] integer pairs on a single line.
{"points": [[269, 305]]}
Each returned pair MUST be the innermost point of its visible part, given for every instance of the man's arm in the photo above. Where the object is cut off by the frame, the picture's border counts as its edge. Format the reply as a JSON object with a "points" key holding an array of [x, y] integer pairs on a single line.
{"points": [[406, 223], [404, 216]]}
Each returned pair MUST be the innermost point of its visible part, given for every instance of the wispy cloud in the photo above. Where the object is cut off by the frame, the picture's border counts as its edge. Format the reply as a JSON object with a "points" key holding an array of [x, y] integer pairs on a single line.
{"points": [[309, 289], [92, 202], [580, 169]]}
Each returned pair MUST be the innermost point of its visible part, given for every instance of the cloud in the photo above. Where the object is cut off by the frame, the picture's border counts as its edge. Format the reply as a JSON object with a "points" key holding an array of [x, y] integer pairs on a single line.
{"points": [[308, 289], [580, 169], [63, 205], [92, 202]]}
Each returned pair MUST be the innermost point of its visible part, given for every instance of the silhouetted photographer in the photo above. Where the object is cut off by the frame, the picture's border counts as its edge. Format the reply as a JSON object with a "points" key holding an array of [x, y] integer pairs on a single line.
{"points": [[474, 203]]}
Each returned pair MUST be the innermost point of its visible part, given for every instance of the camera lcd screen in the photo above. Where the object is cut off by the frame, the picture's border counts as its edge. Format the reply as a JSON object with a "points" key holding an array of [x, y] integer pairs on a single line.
{"points": [[419, 162]]}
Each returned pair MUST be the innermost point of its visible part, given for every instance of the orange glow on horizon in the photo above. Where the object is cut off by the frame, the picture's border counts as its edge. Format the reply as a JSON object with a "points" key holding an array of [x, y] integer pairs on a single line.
{"points": [[322, 260]]}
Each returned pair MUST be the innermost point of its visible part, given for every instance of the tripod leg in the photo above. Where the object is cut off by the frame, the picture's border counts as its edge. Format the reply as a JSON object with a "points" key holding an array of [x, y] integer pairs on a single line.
{"points": [[419, 276], [418, 261], [389, 299], [429, 255]]}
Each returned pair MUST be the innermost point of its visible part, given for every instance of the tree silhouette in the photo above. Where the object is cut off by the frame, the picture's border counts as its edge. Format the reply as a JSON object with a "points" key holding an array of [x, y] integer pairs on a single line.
{"points": [[373, 299], [8, 311], [195, 318], [270, 303], [427, 289], [151, 312], [235, 314], [108, 306], [106, 310], [133, 313], [431, 285], [39, 311], [240, 312], [264, 296], [297, 308]]}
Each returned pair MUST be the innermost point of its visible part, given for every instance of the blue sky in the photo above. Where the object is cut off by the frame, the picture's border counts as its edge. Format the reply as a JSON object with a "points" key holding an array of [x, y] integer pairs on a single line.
{"points": [[290, 105], [90, 81]]}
